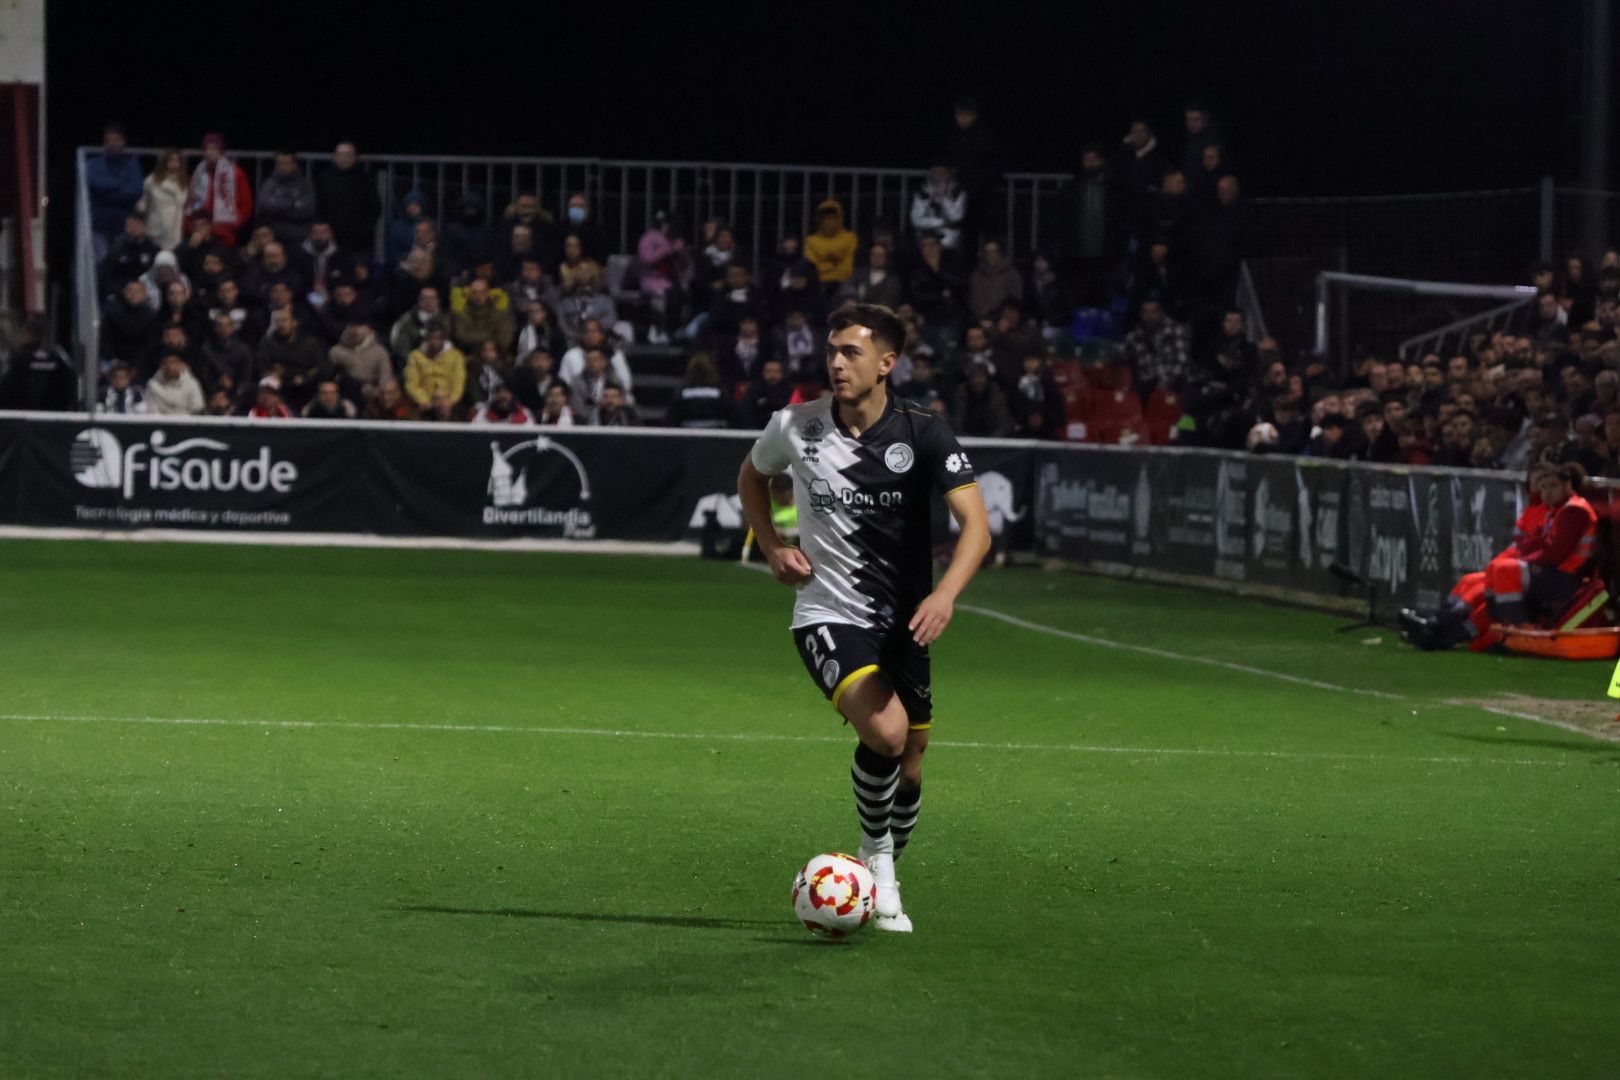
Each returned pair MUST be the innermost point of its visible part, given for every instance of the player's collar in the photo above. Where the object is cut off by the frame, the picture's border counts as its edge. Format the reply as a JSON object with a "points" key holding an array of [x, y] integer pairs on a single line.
{"points": [[888, 408]]}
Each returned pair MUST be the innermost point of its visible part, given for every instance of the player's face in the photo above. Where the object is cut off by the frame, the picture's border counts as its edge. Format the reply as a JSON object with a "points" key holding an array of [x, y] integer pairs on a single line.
{"points": [[856, 363]]}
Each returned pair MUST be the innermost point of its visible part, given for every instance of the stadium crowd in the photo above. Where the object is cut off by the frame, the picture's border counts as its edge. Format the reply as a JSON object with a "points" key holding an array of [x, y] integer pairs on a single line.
{"points": [[222, 299]]}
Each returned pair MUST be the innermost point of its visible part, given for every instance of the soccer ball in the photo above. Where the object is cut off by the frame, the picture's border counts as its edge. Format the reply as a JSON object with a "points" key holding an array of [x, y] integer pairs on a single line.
{"points": [[834, 895]]}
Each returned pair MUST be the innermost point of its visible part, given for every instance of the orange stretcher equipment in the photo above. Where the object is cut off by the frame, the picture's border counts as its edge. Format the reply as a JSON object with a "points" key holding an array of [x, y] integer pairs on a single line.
{"points": [[1580, 632]]}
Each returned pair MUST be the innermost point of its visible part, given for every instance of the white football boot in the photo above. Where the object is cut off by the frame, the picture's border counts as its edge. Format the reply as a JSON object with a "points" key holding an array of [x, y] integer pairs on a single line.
{"points": [[890, 915]]}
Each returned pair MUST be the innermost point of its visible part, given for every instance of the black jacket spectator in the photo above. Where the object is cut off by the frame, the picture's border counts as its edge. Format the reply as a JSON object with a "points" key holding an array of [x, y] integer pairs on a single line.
{"points": [[467, 239], [980, 407], [347, 196], [129, 256], [129, 332], [764, 397], [286, 202]]}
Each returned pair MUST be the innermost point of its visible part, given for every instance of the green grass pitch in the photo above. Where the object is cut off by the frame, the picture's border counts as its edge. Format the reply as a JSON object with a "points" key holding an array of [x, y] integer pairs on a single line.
{"points": [[287, 812]]}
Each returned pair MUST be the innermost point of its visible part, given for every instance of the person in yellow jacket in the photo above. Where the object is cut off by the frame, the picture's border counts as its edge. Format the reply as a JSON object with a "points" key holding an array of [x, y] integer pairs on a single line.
{"points": [[435, 368], [831, 248]]}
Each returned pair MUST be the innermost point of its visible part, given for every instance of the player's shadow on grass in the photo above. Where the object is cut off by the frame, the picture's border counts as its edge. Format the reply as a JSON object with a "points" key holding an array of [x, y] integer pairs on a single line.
{"points": [[690, 922], [1609, 750]]}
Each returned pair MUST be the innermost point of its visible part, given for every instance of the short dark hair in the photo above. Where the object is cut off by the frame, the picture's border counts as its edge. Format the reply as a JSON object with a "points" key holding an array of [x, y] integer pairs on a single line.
{"points": [[433, 326], [886, 327]]}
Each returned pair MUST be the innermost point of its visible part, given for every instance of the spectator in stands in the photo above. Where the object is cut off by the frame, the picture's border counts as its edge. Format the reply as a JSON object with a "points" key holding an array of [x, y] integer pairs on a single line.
{"points": [[410, 277], [739, 302], [329, 403], [1142, 166], [38, 376], [318, 257], [593, 335], [662, 259], [1591, 451], [175, 340], [267, 403], [411, 328], [540, 332], [346, 197], [165, 271], [273, 266], [228, 300], [1222, 240], [974, 155], [413, 209], [113, 179], [1157, 349], [1548, 323], [533, 377], [701, 403], [1577, 294], [744, 352], [129, 257], [220, 403], [1037, 408], [468, 238], [584, 300], [486, 369], [343, 305], [163, 201], [1203, 180], [360, 360], [767, 393], [993, 282], [122, 396], [227, 363], [937, 291], [798, 344], [940, 208], [435, 368], [179, 309], [1378, 442], [530, 288], [800, 294], [520, 246], [581, 223], [220, 191], [875, 282], [613, 410], [390, 403], [1046, 295], [831, 247], [557, 412], [980, 407], [1090, 220], [924, 387], [129, 329], [501, 407], [773, 275], [480, 319], [718, 255], [586, 387], [1286, 432], [287, 200], [295, 358], [198, 245], [1012, 337], [1201, 132]]}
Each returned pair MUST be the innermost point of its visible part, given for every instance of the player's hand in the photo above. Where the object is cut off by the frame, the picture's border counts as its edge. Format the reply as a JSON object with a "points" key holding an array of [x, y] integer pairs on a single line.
{"points": [[932, 617], [790, 566]]}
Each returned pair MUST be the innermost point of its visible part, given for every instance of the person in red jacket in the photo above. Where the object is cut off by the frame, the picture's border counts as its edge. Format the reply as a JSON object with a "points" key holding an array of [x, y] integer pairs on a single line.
{"points": [[1554, 542], [220, 193]]}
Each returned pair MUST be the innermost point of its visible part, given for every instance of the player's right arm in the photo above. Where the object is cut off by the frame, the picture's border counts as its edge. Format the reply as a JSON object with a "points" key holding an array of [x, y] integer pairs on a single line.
{"points": [[787, 563]]}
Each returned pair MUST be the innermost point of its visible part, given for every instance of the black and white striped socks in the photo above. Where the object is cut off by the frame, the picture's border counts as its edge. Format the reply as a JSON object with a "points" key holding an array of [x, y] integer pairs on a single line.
{"points": [[903, 814], [875, 778]]}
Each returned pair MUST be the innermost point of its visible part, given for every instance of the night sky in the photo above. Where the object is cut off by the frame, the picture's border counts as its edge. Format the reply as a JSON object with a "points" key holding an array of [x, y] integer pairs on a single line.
{"points": [[1366, 98]]}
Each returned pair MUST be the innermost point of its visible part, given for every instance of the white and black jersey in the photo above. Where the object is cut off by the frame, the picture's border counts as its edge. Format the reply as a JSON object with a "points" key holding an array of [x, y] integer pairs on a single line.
{"points": [[864, 519]]}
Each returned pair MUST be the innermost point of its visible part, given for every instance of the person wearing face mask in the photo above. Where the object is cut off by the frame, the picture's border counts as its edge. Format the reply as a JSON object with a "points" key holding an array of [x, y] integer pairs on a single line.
{"points": [[582, 224]]}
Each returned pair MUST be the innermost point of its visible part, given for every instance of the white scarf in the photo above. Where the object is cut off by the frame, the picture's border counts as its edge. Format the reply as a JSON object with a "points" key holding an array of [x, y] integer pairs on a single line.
{"points": [[214, 189]]}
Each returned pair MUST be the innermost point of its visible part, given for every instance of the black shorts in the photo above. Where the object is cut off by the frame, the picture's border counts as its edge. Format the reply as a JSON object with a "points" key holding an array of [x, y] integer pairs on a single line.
{"points": [[838, 654]]}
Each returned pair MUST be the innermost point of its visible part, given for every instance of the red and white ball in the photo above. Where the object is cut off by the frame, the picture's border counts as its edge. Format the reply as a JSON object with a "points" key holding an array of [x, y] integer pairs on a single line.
{"points": [[834, 895]]}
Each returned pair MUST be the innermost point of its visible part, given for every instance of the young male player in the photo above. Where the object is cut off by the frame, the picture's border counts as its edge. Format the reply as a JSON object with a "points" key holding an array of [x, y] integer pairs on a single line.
{"points": [[864, 466]]}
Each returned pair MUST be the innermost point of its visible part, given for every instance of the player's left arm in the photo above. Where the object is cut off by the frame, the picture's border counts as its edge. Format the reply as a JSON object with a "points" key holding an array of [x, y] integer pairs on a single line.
{"points": [[934, 613]]}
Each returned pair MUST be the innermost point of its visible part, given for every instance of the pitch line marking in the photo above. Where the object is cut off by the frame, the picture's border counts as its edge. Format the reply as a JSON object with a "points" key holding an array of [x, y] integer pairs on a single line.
{"points": [[767, 737], [1280, 676]]}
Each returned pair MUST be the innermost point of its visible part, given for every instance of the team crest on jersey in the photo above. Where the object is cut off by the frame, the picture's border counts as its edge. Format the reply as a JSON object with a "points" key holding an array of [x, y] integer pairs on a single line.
{"points": [[814, 427], [811, 434], [899, 458], [829, 673], [956, 463]]}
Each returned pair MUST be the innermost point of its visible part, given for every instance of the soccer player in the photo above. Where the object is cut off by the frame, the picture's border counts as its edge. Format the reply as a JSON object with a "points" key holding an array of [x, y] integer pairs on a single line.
{"points": [[864, 465]]}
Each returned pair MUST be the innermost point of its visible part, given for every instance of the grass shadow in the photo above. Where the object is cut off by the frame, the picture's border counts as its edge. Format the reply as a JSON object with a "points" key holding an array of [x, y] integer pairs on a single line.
{"points": [[1610, 750], [690, 922]]}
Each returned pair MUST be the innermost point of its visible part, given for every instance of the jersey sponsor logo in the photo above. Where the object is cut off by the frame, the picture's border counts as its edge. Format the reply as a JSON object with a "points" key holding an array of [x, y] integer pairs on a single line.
{"points": [[822, 498], [899, 458], [829, 673], [956, 463]]}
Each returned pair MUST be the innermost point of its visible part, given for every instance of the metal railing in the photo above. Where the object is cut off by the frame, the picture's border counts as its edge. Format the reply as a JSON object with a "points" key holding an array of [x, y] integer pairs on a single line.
{"points": [[1448, 339]]}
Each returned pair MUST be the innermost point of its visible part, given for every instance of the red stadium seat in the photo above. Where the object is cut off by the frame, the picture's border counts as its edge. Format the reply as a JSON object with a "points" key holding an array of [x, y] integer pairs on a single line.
{"points": [[1161, 415], [1116, 414]]}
